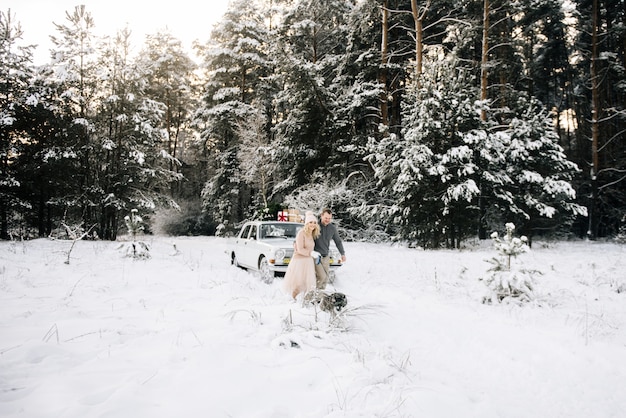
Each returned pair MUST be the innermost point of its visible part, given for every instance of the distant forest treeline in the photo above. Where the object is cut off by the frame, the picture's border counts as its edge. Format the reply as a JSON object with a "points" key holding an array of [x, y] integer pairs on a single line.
{"points": [[430, 122]]}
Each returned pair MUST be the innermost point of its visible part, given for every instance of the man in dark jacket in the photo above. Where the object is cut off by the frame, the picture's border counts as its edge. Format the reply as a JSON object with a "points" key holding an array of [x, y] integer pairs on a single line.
{"points": [[322, 245]]}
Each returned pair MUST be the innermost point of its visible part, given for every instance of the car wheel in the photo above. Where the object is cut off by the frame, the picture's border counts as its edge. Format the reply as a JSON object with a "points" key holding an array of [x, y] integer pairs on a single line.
{"points": [[267, 275]]}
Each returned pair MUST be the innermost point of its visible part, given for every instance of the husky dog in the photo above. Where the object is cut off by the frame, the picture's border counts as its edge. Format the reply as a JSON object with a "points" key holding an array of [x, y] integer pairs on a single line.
{"points": [[332, 303]]}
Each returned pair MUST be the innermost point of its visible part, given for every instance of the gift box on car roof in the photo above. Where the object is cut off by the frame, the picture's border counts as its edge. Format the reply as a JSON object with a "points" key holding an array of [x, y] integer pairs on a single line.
{"points": [[290, 215]]}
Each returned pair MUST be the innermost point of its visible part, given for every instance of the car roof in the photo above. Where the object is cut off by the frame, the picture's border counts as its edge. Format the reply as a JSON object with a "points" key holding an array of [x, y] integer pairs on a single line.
{"points": [[273, 222]]}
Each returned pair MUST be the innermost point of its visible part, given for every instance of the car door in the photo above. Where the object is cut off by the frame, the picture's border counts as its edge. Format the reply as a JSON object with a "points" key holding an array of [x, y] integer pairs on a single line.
{"points": [[254, 247], [241, 246], [249, 247]]}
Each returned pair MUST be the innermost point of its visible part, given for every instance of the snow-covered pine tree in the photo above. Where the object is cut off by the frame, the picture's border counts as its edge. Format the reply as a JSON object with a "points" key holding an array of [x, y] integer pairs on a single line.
{"points": [[357, 92], [222, 192], [509, 246], [134, 224], [525, 175], [447, 159], [76, 74], [310, 44], [506, 281], [238, 70], [134, 169], [428, 175], [15, 104], [170, 79], [257, 157]]}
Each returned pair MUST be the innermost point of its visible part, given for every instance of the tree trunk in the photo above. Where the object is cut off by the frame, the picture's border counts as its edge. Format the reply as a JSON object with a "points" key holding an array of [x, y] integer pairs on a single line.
{"points": [[595, 128], [624, 35], [4, 222], [384, 45], [482, 231], [483, 63], [419, 46]]}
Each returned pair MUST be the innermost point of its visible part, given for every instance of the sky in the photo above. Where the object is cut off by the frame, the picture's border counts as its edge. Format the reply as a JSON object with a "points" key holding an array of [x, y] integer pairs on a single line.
{"points": [[187, 20], [86, 331]]}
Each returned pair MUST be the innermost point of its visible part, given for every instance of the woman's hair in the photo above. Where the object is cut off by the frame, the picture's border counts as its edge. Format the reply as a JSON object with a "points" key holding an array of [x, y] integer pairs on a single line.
{"points": [[315, 229]]}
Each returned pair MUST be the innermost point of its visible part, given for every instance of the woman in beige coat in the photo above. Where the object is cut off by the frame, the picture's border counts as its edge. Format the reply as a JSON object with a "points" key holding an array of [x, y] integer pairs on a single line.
{"points": [[300, 275]]}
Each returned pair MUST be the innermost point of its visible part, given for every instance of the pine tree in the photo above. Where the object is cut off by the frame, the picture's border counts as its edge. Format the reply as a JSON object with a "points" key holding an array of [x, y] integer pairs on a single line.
{"points": [[238, 68], [15, 74], [257, 157], [134, 169], [447, 159], [507, 282], [430, 172], [527, 176], [357, 90], [310, 45], [41, 160], [170, 79], [599, 109], [75, 75]]}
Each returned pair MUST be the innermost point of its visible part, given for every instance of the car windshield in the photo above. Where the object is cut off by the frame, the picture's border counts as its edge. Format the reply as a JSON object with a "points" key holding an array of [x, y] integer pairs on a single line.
{"points": [[279, 230]]}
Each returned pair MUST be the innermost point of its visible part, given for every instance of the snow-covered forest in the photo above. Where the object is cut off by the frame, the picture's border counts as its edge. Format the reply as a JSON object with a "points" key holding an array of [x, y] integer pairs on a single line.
{"points": [[429, 123]]}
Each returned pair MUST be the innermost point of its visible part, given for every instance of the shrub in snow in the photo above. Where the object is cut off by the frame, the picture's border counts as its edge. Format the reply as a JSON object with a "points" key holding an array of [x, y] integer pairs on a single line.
{"points": [[221, 230], [621, 236], [134, 224], [75, 234], [509, 246], [186, 219], [619, 287], [507, 282]]}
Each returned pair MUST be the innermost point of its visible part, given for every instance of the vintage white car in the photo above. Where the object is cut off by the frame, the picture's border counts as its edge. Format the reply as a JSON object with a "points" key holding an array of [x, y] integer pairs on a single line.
{"points": [[267, 247]]}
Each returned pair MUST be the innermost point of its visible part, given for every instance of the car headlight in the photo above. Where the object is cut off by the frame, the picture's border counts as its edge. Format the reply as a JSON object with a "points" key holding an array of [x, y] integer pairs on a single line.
{"points": [[280, 254]]}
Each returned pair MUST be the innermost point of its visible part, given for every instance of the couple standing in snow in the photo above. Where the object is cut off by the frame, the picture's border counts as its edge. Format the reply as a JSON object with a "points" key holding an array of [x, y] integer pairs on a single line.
{"points": [[310, 265]]}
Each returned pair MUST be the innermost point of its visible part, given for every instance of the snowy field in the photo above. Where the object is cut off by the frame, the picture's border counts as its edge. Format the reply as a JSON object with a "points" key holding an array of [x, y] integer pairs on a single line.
{"points": [[185, 334]]}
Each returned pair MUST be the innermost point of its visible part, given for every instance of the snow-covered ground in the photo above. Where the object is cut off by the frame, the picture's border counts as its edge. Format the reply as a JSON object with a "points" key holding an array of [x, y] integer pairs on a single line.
{"points": [[185, 334]]}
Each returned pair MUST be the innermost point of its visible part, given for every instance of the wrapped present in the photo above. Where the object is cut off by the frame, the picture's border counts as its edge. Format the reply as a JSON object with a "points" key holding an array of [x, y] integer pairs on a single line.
{"points": [[283, 215], [294, 215]]}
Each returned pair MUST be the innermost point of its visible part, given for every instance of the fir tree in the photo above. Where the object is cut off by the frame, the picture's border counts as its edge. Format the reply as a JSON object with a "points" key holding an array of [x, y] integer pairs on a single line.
{"points": [[507, 282], [134, 224], [15, 75], [526, 175], [310, 45], [237, 63]]}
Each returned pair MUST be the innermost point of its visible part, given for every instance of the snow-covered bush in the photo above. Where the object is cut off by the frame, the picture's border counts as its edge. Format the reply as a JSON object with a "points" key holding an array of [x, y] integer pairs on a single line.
{"points": [[134, 224], [507, 282], [186, 219], [221, 230], [509, 246], [621, 235]]}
